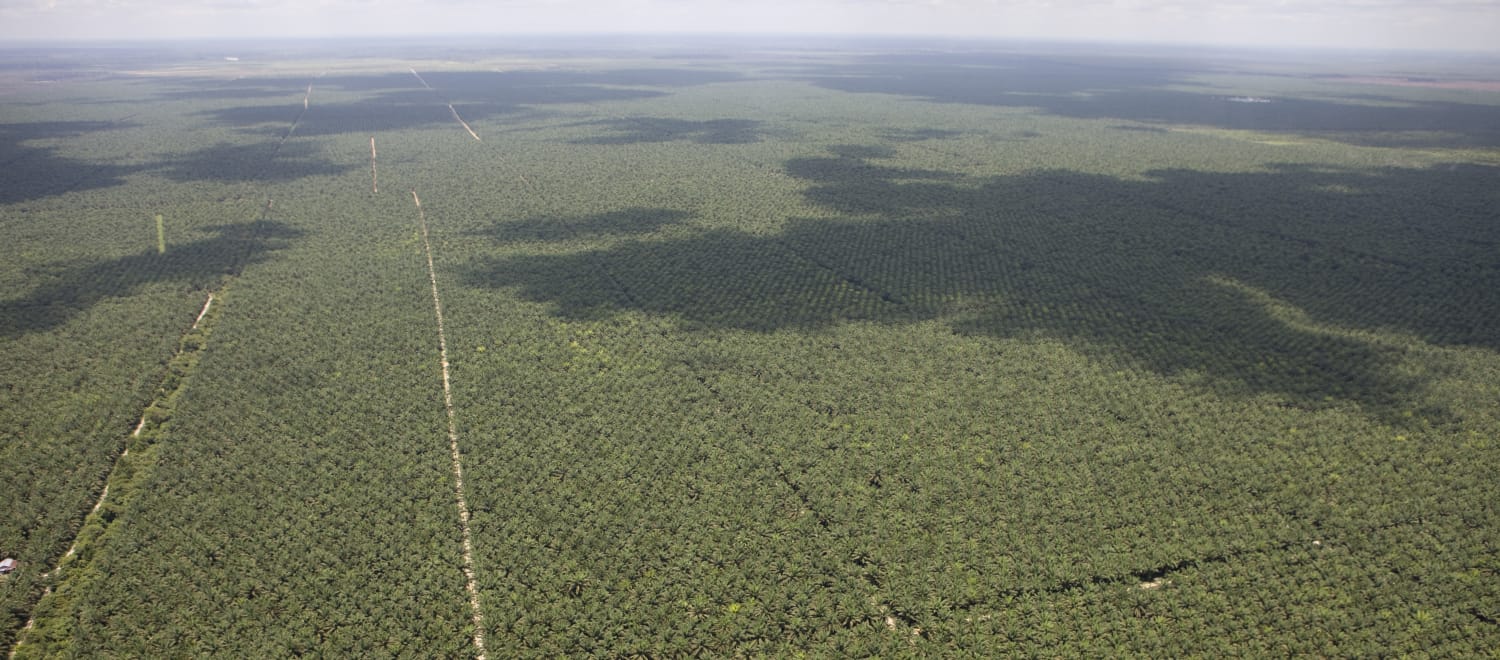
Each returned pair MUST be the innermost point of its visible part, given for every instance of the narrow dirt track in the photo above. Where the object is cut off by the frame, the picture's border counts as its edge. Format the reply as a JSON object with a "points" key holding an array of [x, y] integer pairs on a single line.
{"points": [[125, 450], [374, 176], [458, 467], [445, 101]]}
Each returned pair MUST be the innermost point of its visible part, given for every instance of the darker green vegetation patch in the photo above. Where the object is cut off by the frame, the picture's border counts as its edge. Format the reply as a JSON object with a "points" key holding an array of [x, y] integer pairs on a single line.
{"points": [[402, 104], [398, 101], [1162, 273], [29, 172], [920, 134], [636, 130], [801, 349], [72, 288], [210, 91], [249, 163], [625, 222], [1089, 88], [37, 172]]}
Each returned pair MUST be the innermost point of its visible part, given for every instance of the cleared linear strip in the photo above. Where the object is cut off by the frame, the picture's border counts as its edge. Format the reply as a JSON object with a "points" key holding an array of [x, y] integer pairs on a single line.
{"points": [[72, 548], [465, 124], [374, 176], [201, 313], [134, 434], [458, 467], [293, 128], [103, 494], [451, 109], [88, 173], [419, 78]]}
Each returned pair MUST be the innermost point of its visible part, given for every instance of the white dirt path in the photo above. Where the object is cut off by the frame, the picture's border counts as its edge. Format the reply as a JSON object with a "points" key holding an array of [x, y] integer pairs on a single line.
{"points": [[99, 502], [451, 109], [103, 493], [458, 467], [374, 176], [201, 313], [419, 78], [464, 123]]}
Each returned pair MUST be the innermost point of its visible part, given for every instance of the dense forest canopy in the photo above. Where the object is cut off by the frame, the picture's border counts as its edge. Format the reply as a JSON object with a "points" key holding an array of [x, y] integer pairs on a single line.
{"points": [[631, 347]]}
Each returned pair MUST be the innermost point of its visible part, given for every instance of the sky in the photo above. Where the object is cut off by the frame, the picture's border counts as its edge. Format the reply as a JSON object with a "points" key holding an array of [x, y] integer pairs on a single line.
{"points": [[1401, 24]]}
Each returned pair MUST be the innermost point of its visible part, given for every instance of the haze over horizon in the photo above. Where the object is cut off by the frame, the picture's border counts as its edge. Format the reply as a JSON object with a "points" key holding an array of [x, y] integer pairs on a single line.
{"points": [[1382, 24]]}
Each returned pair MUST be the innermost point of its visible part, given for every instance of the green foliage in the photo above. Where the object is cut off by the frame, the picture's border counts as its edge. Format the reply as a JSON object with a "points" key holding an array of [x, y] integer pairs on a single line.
{"points": [[811, 354], [90, 313]]}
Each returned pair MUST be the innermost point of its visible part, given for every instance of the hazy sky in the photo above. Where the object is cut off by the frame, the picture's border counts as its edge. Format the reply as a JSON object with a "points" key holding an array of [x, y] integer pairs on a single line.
{"points": [[1448, 24]]}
